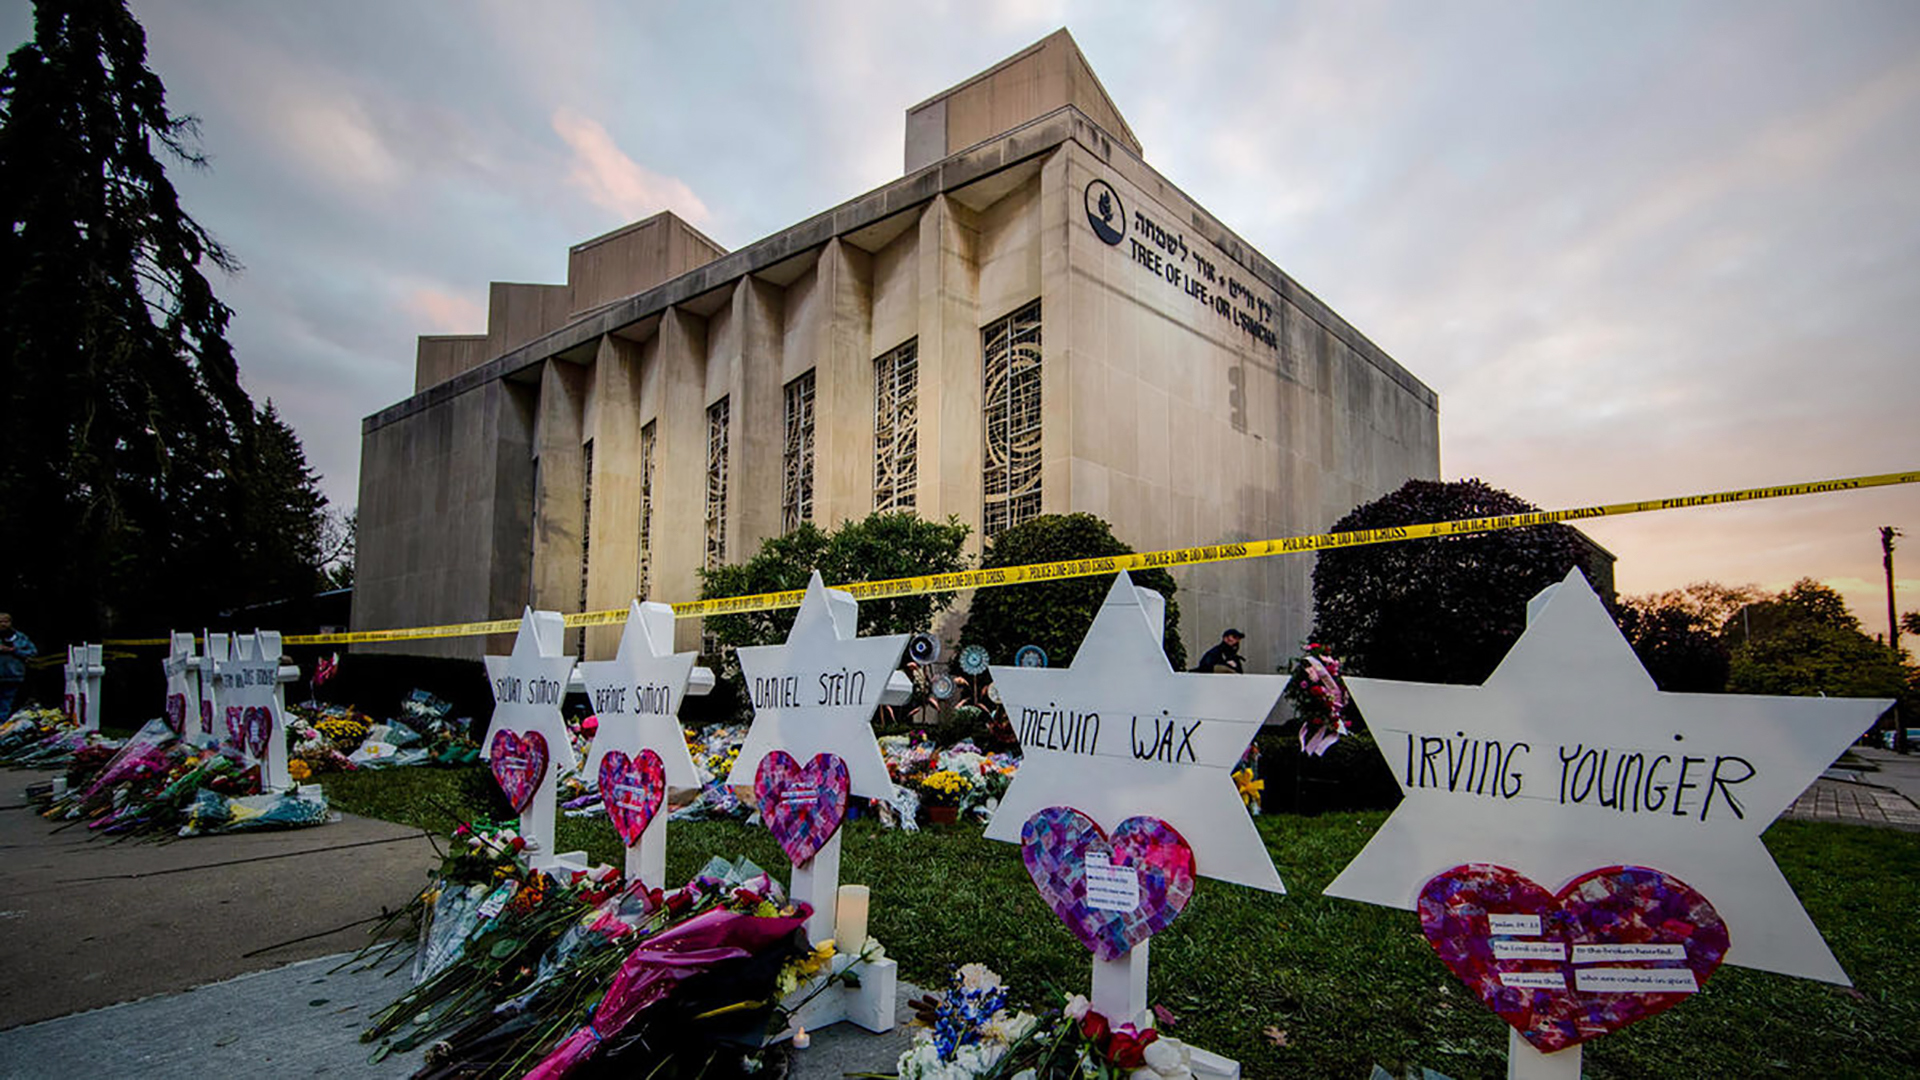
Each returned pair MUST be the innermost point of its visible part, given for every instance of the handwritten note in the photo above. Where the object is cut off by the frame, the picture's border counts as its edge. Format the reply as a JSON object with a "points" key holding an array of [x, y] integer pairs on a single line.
{"points": [[1110, 887]]}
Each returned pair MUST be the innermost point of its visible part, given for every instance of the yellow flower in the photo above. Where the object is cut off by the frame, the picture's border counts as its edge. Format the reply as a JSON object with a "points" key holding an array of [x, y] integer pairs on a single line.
{"points": [[298, 770], [1250, 788]]}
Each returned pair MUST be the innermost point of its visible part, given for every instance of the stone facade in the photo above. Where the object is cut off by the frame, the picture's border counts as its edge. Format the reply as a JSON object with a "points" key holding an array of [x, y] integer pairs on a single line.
{"points": [[1076, 334]]}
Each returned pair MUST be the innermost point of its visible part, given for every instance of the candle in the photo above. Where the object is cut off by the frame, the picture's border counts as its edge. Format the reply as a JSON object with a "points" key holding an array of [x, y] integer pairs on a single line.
{"points": [[850, 919], [802, 1040]]}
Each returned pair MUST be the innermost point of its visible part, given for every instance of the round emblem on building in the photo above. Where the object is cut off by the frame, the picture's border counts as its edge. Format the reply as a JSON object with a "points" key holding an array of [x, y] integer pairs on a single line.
{"points": [[1104, 212]]}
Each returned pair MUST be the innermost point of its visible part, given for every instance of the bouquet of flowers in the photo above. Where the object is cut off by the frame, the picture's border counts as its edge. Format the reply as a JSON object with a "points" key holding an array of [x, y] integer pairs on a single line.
{"points": [[518, 973], [1319, 699], [971, 1030]]}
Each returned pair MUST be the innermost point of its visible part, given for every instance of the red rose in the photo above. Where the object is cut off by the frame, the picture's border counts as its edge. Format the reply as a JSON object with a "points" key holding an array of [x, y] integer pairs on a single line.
{"points": [[1093, 1026], [1128, 1049]]}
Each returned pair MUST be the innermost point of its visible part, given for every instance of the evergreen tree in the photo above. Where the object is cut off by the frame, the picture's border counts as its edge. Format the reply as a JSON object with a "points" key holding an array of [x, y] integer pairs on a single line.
{"points": [[281, 516], [119, 396]]}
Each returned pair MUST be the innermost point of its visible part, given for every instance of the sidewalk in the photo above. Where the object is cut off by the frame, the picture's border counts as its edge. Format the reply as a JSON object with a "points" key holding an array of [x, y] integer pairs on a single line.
{"points": [[183, 960], [91, 922], [1884, 793]]}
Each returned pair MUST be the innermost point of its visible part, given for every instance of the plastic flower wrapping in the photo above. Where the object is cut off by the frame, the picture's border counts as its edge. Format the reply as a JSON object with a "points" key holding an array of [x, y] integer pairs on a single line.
{"points": [[1319, 699], [519, 972]]}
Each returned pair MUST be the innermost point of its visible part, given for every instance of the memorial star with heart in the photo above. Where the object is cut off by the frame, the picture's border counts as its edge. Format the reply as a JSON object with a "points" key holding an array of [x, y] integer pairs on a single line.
{"points": [[529, 686], [636, 698], [1569, 760], [1120, 734], [816, 694]]}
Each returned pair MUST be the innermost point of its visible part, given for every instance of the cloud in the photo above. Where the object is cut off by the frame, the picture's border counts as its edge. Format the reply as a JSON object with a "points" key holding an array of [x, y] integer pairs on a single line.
{"points": [[440, 311], [613, 181]]}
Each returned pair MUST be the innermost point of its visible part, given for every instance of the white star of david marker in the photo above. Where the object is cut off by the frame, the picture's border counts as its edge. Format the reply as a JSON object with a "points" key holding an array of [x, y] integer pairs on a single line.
{"points": [[1120, 734], [637, 695], [1569, 759], [529, 685], [816, 694]]}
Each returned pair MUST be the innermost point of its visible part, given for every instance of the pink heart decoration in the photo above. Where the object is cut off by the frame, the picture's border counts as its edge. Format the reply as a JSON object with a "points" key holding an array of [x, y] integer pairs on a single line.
{"points": [[1633, 942], [519, 765], [248, 728], [803, 805], [177, 713], [632, 788], [1141, 877]]}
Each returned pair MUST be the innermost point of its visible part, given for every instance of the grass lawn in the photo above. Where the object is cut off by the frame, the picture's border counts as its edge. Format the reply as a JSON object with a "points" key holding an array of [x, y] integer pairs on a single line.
{"points": [[1349, 984]]}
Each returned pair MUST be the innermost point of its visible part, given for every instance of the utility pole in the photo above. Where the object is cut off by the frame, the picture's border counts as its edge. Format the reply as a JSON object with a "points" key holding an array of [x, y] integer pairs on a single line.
{"points": [[1887, 535]]}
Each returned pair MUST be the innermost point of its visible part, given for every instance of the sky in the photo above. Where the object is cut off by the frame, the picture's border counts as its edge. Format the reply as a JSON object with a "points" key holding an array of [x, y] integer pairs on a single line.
{"points": [[1639, 249]]}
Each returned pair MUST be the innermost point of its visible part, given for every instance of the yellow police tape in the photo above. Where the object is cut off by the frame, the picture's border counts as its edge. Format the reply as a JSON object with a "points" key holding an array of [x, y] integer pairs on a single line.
{"points": [[1110, 564]]}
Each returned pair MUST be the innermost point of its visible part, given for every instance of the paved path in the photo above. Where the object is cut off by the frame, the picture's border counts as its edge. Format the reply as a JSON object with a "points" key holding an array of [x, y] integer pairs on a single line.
{"points": [[90, 922], [177, 961], [1877, 787]]}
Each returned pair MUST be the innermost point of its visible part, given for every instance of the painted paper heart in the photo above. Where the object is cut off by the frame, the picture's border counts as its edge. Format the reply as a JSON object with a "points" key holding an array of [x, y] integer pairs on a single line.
{"points": [[248, 728], [206, 717], [1616, 946], [177, 713], [632, 788], [519, 765], [803, 805], [1112, 892]]}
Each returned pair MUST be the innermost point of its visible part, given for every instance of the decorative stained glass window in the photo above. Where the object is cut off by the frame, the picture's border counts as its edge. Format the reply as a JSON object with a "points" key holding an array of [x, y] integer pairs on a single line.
{"points": [[717, 484], [796, 494], [896, 446], [646, 507], [1011, 350]]}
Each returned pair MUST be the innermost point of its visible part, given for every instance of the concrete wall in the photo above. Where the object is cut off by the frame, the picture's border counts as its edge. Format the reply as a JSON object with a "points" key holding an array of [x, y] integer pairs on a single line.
{"points": [[518, 314], [446, 503], [1178, 423], [1025, 86], [440, 357], [1188, 429], [633, 259]]}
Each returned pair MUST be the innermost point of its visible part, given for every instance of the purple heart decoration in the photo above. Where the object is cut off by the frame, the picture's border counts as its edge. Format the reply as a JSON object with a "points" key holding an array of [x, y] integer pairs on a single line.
{"points": [[803, 805], [259, 726], [177, 713], [206, 717], [237, 728], [632, 789], [1616, 946], [1112, 892], [519, 765]]}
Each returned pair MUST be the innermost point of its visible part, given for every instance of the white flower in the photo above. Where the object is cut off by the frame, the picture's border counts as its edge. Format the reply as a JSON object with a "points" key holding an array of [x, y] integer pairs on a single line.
{"points": [[1163, 1056], [1077, 1007], [978, 977]]}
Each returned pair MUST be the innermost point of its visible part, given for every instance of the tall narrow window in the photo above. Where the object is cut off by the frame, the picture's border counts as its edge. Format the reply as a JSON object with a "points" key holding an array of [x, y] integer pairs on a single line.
{"points": [[896, 447], [1011, 351], [586, 533], [796, 494], [646, 508], [717, 484]]}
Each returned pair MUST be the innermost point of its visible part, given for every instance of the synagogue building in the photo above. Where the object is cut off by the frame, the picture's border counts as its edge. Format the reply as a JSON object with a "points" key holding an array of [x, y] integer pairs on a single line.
{"points": [[1031, 320]]}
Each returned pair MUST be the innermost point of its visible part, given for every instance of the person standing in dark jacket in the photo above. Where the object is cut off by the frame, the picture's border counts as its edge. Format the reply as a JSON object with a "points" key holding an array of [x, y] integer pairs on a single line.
{"points": [[15, 651], [1224, 658]]}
